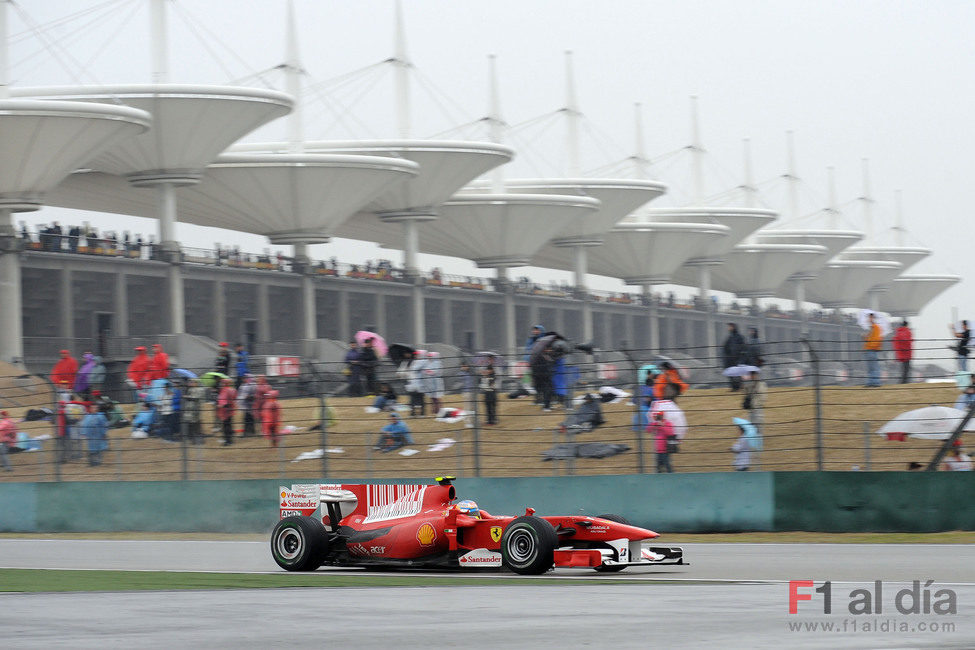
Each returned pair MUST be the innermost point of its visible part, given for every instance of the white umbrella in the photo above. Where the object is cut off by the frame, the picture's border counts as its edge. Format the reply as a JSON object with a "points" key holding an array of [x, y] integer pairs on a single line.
{"points": [[740, 370], [672, 413], [863, 320], [928, 423]]}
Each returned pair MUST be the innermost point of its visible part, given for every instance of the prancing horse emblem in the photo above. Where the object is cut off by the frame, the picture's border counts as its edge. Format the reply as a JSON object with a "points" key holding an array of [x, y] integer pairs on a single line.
{"points": [[496, 533]]}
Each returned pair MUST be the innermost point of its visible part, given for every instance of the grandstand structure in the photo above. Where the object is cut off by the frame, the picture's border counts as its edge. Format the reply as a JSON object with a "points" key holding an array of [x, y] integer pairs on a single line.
{"points": [[184, 161]]}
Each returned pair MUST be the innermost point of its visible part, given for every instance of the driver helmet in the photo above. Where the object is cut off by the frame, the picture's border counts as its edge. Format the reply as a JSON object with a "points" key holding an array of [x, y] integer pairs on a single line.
{"points": [[469, 508]]}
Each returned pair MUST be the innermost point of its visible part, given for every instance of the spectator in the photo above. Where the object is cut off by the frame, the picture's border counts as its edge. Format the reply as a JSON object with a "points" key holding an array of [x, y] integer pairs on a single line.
{"points": [[246, 397], [226, 401], [65, 370], [96, 379], [8, 439], [872, 342], [434, 383], [489, 388], [903, 344], [956, 461], [164, 407], [742, 449], [82, 382], [646, 399], [386, 399], [542, 367], [369, 362], [668, 384], [664, 441], [193, 400], [415, 383], [138, 377], [537, 331], [262, 388], [961, 347], [756, 392], [271, 417], [222, 364], [587, 417], [158, 363], [394, 435], [144, 421], [753, 349], [732, 353], [94, 427], [241, 366], [353, 370], [966, 399]]}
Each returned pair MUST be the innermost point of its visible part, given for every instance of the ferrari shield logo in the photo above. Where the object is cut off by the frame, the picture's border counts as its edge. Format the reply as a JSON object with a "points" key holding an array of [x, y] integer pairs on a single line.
{"points": [[496, 533]]}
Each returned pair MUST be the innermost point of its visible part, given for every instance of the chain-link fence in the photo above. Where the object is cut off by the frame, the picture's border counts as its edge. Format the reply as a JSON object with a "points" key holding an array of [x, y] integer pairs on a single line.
{"points": [[816, 414]]}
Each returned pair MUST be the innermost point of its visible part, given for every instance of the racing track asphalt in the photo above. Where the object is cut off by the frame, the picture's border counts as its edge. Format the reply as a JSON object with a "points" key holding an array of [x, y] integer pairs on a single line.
{"points": [[738, 562], [732, 614]]}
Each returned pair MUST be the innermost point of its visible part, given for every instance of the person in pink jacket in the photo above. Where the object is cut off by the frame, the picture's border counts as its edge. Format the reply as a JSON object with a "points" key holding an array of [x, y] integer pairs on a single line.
{"points": [[226, 405], [8, 438], [271, 416], [662, 432]]}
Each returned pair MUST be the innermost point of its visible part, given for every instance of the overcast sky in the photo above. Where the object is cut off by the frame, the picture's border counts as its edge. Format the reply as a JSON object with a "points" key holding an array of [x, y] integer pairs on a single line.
{"points": [[891, 81]]}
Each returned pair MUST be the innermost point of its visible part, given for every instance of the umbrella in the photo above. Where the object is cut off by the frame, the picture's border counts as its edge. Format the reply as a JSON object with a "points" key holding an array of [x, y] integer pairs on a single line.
{"points": [[211, 379], [863, 320], [681, 368], [486, 358], [740, 370], [928, 423], [183, 372], [552, 340], [751, 433], [646, 369], [673, 413], [378, 342], [398, 353]]}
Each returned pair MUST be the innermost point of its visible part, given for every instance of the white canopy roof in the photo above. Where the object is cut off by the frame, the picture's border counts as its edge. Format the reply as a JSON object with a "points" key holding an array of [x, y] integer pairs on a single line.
{"points": [[757, 270], [741, 223], [908, 294], [842, 283], [43, 141], [445, 167], [191, 125]]}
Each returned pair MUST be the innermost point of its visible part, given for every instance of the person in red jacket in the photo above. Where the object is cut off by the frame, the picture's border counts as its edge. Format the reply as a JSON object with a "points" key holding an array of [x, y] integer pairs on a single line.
{"points": [[271, 416], [65, 370], [226, 405], [158, 363], [904, 349], [260, 394], [8, 438], [138, 377], [661, 430]]}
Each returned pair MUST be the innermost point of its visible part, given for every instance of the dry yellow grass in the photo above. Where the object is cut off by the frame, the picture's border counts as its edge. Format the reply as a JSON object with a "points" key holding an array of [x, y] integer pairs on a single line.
{"points": [[514, 447]]}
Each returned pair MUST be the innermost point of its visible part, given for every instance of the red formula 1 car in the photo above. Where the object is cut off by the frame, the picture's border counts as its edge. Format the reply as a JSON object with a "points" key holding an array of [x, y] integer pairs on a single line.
{"points": [[419, 526]]}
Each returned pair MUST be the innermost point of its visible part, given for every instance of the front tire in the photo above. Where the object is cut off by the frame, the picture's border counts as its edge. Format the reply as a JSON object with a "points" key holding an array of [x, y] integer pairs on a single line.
{"points": [[299, 543], [620, 520], [528, 546]]}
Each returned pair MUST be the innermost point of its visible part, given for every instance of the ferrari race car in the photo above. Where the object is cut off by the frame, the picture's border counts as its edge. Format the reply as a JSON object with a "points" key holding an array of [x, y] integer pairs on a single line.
{"points": [[419, 526]]}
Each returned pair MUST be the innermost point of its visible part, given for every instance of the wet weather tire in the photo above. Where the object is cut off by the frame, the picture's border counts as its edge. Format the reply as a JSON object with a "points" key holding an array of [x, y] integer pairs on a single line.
{"points": [[299, 543], [620, 520], [528, 546]]}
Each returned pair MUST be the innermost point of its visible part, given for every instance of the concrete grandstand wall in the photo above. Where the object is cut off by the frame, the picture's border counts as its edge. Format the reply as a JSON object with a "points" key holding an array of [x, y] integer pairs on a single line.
{"points": [[669, 503]]}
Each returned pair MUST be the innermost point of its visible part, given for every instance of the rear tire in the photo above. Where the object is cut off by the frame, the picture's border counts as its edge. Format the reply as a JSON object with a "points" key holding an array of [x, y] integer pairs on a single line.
{"points": [[528, 546], [299, 543], [620, 520]]}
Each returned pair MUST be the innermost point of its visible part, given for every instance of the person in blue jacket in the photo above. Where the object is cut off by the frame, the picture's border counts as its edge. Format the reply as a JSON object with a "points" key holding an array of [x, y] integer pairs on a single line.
{"points": [[241, 366], [394, 435], [94, 427], [537, 331]]}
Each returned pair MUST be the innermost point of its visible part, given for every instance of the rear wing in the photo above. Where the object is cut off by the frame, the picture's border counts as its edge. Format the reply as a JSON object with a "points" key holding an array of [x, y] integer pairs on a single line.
{"points": [[375, 502]]}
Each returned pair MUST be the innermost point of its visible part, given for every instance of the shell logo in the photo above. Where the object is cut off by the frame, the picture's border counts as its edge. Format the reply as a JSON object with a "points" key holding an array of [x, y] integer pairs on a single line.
{"points": [[283, 495], [426, 535]]}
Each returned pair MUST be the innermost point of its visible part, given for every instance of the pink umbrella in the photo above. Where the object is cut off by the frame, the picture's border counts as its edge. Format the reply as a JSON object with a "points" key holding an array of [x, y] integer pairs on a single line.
{"points": [[378, 342]]}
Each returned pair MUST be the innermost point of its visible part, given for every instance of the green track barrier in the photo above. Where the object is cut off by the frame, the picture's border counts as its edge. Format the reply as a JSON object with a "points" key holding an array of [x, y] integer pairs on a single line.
{"points": [[668, 503]]}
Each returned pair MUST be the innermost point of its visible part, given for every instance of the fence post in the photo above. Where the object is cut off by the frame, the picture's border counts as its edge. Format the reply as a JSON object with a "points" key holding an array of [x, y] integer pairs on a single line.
{"points": [[476, 431], [323, 422], [640, 461], [866, 446], [818, 393], [949, 443], [185, 450]]}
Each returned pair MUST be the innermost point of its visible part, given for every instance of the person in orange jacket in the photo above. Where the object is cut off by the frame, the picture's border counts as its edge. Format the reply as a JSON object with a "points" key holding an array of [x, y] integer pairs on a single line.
{"points": [[138, 377], [903, 343], [271, 416], [226, 405], [670, 375], [158, 363], [65, 370]]}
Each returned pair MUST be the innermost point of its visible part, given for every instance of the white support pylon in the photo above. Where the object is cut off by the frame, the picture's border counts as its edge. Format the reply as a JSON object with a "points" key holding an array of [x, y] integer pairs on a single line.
{"points": [[402, 65], [572, 116], [697, 151]]}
